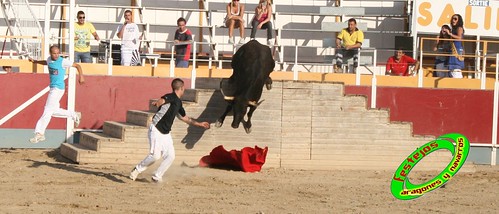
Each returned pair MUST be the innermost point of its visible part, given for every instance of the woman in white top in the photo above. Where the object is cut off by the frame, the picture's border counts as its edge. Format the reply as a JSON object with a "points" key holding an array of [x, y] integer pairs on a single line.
{"points": [[234, 19]]}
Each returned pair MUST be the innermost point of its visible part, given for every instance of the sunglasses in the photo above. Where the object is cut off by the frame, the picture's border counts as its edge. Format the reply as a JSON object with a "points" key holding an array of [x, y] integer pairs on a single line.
{"points": [[81, 17], [454, 18], [235, 0]]}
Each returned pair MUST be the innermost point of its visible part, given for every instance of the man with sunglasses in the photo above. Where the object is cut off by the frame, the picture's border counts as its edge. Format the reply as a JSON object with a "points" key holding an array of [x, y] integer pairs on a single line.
{"points": [[83, 30]]}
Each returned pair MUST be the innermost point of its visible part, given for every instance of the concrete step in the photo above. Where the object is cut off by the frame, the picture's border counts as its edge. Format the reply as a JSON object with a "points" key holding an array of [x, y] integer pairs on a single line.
{"points": [[363, 60], [75, 152], [95, 141], [208, 83], [350, 11], [139, 118], [338, 26], [124, 131]]}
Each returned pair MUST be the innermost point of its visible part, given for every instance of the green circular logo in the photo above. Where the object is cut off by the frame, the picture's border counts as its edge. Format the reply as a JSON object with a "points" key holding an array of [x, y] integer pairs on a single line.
{"points": [[403, 189]]}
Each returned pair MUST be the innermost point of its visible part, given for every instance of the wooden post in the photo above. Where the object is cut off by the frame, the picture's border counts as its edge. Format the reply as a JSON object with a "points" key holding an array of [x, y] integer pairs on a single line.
{"points": [[200, 38], [63, 29]]}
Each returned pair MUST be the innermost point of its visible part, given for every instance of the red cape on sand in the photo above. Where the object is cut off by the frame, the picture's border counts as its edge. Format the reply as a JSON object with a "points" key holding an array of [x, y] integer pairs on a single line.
{"points": [[248, 159]]}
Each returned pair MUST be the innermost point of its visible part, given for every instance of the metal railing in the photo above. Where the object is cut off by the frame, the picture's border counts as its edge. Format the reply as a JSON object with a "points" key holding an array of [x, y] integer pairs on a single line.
{"points": [[480, 68]]}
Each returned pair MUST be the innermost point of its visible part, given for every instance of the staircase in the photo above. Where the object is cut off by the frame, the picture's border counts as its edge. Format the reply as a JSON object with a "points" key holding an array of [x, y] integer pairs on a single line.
{"points": [[23, 24], [305, 125]]}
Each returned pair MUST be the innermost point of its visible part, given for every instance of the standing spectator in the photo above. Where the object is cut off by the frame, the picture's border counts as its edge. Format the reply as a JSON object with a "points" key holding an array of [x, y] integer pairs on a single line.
{"points": [[234, 19], [57, 70], [83, 30], [183, 52], [348, 43], [398, 65], [456, 61], [442, 47], [130, 36], [160, 139], [261, 20]]}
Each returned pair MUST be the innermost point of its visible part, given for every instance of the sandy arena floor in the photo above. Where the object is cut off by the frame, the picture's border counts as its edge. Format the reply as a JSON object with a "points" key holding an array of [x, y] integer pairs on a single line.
{"points": [[41, 181]]}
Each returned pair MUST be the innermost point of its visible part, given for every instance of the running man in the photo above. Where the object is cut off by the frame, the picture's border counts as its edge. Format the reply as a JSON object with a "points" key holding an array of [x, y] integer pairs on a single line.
{"points": [[160, 139]]}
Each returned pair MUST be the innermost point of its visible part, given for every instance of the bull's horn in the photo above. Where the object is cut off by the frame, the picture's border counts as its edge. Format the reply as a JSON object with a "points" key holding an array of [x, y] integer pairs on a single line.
{"points": [[254, 103]]}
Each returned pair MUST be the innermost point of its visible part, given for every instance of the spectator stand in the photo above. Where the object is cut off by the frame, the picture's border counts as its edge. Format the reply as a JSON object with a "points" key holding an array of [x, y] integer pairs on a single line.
{"points": [[150, 48], [326, 21]]}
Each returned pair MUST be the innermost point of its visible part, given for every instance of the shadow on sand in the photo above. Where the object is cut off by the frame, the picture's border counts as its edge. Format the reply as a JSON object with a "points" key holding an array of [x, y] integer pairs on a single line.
{"points": [[214, 109], [65, 164]]}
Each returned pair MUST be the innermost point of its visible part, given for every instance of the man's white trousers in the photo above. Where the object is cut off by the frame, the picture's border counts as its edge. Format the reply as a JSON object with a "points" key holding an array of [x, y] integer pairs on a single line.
{"points": [[52, 109], [161, 146]]}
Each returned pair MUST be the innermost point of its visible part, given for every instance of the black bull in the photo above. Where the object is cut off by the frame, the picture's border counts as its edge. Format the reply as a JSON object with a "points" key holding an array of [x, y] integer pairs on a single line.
{"points": [[252, 65]]}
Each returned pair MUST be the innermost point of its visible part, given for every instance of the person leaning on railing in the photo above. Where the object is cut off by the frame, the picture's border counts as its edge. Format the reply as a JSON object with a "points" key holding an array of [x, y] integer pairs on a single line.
{"points": [[398, 65], [183, 52], [442, 47], [83, 30], [348, 43]]}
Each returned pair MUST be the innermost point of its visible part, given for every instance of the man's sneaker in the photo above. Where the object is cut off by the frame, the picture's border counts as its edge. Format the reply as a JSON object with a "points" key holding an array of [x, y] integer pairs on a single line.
{"points": [[231, 40], [38, 138], [134, 174], [77, 119], [241, 41], [156, 179]]}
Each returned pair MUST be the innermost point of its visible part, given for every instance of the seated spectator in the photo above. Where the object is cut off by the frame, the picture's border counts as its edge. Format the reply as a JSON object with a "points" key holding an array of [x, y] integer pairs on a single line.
{"points": [[398, 65], [7, 69], [261, 20], [348, 43], [234, 19], [442, 47]]}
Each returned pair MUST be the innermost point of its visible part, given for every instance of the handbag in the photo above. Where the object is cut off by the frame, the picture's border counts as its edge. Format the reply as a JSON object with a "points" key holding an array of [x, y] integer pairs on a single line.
{"points": [[459, 57]]}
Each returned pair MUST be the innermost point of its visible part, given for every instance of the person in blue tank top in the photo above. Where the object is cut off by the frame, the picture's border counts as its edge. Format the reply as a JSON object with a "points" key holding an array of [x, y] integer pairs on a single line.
{"points": [[57, 70], [456, 63]]}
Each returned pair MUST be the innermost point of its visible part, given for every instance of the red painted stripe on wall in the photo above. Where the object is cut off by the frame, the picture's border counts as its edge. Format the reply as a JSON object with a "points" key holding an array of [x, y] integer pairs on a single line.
{"points": [[437, 111], [100, 99]]}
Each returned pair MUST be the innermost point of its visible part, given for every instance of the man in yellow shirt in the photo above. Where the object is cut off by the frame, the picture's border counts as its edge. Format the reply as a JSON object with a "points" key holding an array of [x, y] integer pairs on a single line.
{"points": [[83, 30], [352, 39]]}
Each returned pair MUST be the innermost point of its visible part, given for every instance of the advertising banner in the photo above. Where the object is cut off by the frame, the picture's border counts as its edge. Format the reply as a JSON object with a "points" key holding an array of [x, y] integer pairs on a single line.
{"points": [[481, 17]]}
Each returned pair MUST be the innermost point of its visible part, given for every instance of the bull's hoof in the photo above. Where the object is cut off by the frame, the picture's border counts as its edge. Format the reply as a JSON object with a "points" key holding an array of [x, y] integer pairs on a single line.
{"points": [[218, 124], [248, 130], [268, 86], [235, 126]]}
